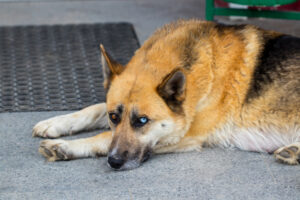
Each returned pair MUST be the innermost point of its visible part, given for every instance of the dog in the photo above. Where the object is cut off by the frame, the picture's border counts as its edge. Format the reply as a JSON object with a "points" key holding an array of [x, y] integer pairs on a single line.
{"points": [[192, 84]]}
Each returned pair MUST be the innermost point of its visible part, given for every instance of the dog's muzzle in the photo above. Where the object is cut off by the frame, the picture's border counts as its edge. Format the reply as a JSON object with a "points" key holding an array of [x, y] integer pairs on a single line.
{"points": [[118, 162]]}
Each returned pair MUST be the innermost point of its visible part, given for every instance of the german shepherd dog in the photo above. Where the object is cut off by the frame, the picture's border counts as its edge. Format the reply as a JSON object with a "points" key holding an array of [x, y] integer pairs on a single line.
{"points": [[191, 84]]}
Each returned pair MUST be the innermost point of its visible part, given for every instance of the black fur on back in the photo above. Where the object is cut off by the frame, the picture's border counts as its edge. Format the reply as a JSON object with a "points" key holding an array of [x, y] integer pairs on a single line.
{"points": [[279, 59]]}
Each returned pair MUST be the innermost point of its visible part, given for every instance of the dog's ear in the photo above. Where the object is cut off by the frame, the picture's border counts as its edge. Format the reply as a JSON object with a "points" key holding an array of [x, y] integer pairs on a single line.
{"points": [[172, 90], [110, 67]]}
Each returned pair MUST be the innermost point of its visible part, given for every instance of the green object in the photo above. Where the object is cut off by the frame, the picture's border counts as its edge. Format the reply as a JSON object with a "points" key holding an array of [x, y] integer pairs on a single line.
{"points": [[211, 10], [261, 2]]}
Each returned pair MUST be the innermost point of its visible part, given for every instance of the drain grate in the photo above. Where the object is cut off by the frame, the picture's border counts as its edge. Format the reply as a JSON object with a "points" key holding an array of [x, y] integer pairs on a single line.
{"points": [[58, 67]]}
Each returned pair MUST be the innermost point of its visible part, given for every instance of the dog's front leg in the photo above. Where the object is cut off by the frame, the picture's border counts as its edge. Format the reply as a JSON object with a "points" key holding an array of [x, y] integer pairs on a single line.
{"points": [[59, 149], [184, 145], [91, 117]]}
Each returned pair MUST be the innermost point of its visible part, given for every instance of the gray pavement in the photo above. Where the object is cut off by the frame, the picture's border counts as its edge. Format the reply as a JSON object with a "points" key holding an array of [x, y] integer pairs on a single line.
{"points": [[213, 173]]}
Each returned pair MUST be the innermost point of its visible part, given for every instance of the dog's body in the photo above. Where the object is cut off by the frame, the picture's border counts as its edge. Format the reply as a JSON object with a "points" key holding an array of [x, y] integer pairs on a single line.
{"points": [[191, 83]]}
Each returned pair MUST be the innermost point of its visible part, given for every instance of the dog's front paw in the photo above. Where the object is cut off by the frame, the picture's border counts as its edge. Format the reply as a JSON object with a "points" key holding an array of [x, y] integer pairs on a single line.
{"points": [[289, 154], [55, 150], [53, 127]]}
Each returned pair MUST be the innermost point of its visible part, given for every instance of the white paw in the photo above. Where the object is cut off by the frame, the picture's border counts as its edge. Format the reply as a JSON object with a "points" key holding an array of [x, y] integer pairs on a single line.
{"points": [[55, 150], [289, 154], [53, 127]]}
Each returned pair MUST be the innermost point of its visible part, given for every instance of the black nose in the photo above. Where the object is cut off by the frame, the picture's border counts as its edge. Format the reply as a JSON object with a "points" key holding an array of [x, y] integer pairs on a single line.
{"points": [[115, 162]]}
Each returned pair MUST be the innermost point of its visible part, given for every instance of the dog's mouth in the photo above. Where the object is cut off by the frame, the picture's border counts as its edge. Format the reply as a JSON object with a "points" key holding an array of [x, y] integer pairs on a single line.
{"points": [[147, 155], [120, 164]]}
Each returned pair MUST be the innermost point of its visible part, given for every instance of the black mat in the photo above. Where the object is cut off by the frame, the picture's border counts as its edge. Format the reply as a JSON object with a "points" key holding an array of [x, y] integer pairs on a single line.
{"points": [[58, 67]]}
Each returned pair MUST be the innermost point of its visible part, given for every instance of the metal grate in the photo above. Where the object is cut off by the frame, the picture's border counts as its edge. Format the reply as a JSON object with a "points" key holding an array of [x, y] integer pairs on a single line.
{"points": [[58, 67]]}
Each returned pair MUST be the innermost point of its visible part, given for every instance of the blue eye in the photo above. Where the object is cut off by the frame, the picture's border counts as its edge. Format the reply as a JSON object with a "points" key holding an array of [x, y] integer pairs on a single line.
{"points": [[139, 122], [143, 120]]}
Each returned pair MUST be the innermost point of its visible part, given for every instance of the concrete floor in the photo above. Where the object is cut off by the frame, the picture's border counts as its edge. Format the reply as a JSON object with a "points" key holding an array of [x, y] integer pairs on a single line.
{"points": [[211, 174]]}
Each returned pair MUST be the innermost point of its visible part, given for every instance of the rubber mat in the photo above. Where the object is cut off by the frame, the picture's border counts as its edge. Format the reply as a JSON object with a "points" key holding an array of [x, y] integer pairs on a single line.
{"points": [[58, 67]]}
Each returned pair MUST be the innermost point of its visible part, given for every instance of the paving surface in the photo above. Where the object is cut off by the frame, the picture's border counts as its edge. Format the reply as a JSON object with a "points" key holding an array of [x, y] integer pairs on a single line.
{"points": [[211, 174]]}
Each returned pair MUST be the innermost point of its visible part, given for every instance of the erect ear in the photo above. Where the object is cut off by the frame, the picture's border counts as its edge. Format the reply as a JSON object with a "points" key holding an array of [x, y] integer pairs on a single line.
{"points": [[110, 67], [172, 90]]}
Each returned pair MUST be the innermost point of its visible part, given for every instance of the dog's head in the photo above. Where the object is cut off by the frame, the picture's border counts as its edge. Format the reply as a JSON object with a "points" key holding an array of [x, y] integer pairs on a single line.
{"points": [[143, 107]]}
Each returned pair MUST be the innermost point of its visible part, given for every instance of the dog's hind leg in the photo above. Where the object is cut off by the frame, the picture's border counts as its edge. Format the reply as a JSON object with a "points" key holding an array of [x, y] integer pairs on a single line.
{"points": [[88, 118], [289, 154], [58, 149]]}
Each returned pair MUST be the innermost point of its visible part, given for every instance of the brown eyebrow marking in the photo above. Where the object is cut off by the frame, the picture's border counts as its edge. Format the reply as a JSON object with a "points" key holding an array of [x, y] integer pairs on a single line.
{"points": [[120, 109]]}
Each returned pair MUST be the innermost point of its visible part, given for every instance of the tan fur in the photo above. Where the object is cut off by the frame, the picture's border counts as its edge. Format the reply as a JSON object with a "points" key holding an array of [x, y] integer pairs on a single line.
{"points": [[218, 64]]}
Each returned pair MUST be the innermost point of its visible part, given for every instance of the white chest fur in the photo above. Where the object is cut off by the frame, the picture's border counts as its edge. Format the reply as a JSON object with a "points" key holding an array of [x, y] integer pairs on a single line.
{"points": [[260, 139]]}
